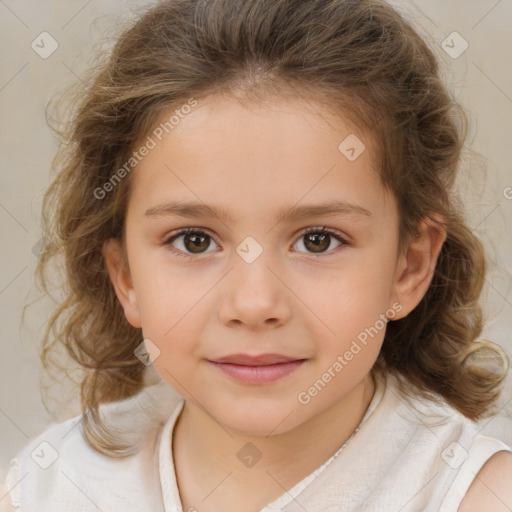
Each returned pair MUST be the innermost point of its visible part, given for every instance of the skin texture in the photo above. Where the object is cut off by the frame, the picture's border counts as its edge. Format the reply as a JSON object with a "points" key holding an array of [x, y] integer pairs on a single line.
{"points": [[252, 161], [491, 489]]}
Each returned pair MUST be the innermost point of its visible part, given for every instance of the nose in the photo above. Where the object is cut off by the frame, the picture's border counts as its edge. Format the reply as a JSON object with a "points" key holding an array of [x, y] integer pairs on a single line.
{"points": [[254, 296]]}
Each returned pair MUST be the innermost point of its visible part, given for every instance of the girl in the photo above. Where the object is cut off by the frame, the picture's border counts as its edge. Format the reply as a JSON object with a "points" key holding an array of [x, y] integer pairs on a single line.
{"points": [[255, 200]]}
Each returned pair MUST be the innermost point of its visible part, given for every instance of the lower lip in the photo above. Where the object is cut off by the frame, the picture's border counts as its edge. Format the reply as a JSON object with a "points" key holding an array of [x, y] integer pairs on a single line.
{"points": [[258, 374]]}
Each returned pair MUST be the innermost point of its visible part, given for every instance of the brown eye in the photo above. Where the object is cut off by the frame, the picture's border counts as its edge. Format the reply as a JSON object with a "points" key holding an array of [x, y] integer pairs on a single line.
{"points": [[196, 243], [190, 241], [318, 240]]}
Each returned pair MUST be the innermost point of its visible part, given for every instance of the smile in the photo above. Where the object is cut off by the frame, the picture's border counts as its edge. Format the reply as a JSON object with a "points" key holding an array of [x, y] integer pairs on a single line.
{"points": [[257, 373]]}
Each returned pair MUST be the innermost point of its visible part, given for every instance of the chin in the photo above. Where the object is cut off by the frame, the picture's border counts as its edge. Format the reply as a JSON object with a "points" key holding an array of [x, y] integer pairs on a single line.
{"points": [[253, 419]]}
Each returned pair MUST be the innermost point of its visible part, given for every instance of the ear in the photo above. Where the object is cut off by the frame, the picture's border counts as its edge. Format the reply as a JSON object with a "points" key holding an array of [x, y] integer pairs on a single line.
{"points": [[417, 263], [119, 273]]}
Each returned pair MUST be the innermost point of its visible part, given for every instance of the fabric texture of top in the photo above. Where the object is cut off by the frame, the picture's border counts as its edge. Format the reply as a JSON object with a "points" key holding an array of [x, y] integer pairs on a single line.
{"points": [[411, 456]]}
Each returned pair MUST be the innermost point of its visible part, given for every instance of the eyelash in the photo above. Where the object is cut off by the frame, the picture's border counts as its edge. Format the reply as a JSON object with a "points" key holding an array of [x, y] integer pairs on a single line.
{"points": [[197, 231]]}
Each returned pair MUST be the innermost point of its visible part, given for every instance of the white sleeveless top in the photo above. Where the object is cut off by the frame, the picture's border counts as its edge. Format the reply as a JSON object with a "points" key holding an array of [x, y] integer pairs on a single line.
{"points": [[417, 456]]}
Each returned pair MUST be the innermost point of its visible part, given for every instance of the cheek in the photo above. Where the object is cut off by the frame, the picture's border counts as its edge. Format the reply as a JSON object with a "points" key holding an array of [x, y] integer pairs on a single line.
{"points": [[167, 292], [348, 299], [178, 349], [347, 312], [170, 303]]}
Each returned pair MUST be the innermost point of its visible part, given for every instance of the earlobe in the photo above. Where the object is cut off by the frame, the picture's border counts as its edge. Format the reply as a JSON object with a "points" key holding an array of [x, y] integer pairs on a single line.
{"points": [[120, 277], [417, 264]]}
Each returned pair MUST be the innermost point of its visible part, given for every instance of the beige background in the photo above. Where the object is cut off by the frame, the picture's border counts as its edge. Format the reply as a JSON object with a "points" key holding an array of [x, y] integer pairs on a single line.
{"points": [[481, 78]]}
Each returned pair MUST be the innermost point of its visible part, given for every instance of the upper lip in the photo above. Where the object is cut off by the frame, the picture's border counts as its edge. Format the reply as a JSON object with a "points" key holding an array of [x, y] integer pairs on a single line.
{"points": [[260, 360]]}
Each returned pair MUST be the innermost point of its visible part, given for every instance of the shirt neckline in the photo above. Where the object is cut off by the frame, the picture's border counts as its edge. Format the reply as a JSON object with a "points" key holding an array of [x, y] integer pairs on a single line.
{"points": [[169, 483]]}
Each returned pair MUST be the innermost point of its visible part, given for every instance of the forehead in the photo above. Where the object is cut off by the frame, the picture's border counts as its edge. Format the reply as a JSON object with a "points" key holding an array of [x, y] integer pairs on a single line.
{"points": [[257, 154]]}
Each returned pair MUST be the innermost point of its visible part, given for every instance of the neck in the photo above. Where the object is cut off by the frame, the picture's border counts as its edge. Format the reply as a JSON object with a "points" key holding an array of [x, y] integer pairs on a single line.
{"points": [[199, 442]]}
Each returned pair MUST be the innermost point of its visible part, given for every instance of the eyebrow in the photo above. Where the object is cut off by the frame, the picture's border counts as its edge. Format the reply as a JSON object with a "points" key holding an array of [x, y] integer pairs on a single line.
{"points": [[198, 210]]}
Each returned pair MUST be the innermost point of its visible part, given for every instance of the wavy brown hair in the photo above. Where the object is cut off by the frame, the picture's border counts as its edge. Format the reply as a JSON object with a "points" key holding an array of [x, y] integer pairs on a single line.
{"points": [[359, 59]]}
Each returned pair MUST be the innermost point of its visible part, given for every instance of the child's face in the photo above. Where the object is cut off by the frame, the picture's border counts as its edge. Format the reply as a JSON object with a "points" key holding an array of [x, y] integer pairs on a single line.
{"points": [[204, 297]]}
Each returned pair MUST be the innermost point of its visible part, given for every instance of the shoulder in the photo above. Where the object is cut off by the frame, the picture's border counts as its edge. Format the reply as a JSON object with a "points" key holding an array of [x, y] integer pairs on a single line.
{"points": [[474, 471], [59, 462], [38, 465], [491, 489], [5, 503]]}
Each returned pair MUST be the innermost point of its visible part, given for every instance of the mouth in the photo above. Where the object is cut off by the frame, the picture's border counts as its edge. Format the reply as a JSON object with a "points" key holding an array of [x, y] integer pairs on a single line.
{"points": [[255, 370]]}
